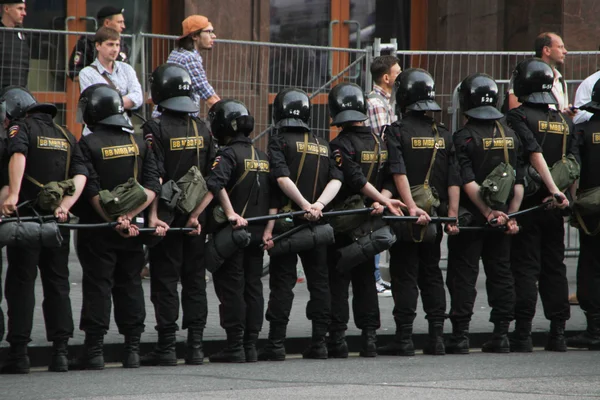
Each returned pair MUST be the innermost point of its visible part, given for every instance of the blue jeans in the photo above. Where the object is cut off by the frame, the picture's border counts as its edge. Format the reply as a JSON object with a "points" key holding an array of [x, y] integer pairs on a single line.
{"points": [[377, 272]]}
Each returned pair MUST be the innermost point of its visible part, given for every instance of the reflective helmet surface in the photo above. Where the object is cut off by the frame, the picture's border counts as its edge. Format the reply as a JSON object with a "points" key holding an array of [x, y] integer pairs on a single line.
{"points": [[415, 91], [19, 101], [171, 88], [291, 108], [101, 104], [347, 103], [532, 82], [478, 96], [228, 118]]}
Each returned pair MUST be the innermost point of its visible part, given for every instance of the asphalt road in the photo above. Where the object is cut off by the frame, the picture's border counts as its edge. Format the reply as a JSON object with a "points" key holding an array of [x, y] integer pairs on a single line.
{"points": [[540, 375]]}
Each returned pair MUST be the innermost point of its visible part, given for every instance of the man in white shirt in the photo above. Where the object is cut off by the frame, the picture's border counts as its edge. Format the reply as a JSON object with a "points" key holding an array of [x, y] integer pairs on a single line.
{"points": [[584, 96], [105, 69]]}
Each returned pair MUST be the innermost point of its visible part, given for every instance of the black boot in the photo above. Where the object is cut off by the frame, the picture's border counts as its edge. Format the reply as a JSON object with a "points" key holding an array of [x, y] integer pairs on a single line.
{"points": [[18, 360], [317, 349], [589, 339], [194, 353], [556, 340], [92, 356], [164, 352], [336, 345], [435, 341], [402, 345], [520, 340], [458, 342], [60, 359], [499, 342], [131, 353], [250, 339], [368, 340], [234, 352], [274, 349]]}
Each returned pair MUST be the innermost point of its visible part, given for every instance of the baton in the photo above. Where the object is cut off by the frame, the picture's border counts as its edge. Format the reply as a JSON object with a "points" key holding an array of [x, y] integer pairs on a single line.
{"points": [[412, 219], [174, 230], [287, 233], [527, 210], [88, 226], [348, 212], [499, 228], [270, 217]]}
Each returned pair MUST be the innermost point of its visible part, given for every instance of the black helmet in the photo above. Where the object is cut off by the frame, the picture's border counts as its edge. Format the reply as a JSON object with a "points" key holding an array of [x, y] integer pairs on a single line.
{"points": [[415, 91], [229, 117], [593, 106], [19, 102], [532, 82], [171, 87], [101, 104], [347, 103], [478, 96], [291, 108]]}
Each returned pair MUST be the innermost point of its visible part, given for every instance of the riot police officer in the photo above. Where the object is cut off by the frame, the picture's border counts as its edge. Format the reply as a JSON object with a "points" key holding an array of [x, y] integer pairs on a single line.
{"points": [[587, 215], [3, 193], [179, 142], [487, 150], [422, 157], [537, 253], [240, 180], [124, 180], [42, 154], [300, 162], [362, 157]]}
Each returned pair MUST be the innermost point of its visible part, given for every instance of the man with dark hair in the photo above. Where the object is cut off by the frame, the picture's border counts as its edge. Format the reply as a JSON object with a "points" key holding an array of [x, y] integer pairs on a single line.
{"points": [[380, 110], [14, 47], [83, 52], [198, 34], [550, 48], [106, 69]]}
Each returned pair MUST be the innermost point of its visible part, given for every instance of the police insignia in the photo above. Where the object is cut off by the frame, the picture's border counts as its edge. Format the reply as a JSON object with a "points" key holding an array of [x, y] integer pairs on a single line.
{"points": [[13, 130], [216, 162], [338, 157], [123, 56], [77, 57]]}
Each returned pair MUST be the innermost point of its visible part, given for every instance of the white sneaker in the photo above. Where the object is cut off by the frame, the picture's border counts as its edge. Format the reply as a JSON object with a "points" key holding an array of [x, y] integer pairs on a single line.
{"points": [[386, 285], [382, 291]]}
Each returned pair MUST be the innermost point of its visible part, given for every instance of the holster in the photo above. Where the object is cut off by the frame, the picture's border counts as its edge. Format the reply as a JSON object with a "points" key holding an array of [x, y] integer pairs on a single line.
{"points": [[223, 245], [306, 239]]}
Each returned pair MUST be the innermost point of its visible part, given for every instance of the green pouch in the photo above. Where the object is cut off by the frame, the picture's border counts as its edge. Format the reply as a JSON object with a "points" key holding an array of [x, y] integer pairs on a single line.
{"points": [[565, 171], [348, 223], [497, 186], [219, 215], [588, 201], [123, 198], [284, 224], [425, 197], [52, 193], [193, 189]]}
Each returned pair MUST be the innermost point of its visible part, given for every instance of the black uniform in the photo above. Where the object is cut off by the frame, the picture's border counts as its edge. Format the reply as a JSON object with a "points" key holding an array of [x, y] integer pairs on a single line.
{"points": [[477, 156], [3, 182], [415, 266], [285, 154], [537, 256], [112, 264], [179, 257], [355, 150], [238, 281], [45, 148], [14, 57], [84, 54], [588, 265]]}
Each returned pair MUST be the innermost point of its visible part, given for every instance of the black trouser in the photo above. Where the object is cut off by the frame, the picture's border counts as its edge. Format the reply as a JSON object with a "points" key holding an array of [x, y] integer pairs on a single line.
{"points": [[23, 264], [414, 267], [537, 256], [365, 304], [283, 278], [240, 290], [464, 252], [178, 257], [111, 271], [1, 312], [588, 273]]}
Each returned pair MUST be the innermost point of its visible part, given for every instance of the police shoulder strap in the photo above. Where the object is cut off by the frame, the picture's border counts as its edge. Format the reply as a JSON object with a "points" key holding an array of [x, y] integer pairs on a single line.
{"points": [[565, 134], [197, 139], [376, 150], [501, 129], [435, 150], [136, 151], [68, 165], [250, 191], [314, 193], [243, 176]]}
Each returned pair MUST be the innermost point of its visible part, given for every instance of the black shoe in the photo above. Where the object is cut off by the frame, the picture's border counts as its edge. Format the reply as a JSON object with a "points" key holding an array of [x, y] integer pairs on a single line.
{"points": [[336, 345], [458, 342], [163, 354], [131, 354], [274, 350], [520, 339], [317, 349], [402, 345], [250, 340], [369, 343], [499, 342], [234, 352], [194, 353], [92, 357], [60, 359], [556, 340], [18, 360], [589, 339], [435, 341]]}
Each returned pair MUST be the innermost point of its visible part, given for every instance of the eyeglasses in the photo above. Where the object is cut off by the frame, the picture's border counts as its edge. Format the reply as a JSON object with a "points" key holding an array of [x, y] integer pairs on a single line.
{"points": [[209, 31]]}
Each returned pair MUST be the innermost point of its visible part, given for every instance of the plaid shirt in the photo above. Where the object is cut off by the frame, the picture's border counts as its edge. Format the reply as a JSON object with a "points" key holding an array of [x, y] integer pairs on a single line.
{"points": [[380, 113], [192, 62]]}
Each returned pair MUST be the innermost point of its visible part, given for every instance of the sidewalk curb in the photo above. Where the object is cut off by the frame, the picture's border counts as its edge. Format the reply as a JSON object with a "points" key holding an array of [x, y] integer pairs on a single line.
{"points": [[40, 355]]}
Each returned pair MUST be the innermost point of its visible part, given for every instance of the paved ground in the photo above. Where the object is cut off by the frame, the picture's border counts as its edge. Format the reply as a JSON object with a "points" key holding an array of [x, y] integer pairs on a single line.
{"points": [[539, 375]]}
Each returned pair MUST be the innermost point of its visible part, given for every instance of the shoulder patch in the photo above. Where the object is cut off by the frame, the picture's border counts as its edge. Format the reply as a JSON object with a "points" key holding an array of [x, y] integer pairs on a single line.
{"points": [[13, 130], [77, 57], [337, 154], [216, 162]]}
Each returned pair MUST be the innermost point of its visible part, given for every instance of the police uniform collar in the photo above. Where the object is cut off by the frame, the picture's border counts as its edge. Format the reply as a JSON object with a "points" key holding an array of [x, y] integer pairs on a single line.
{"points": [[239, 139], [357, 129]]}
